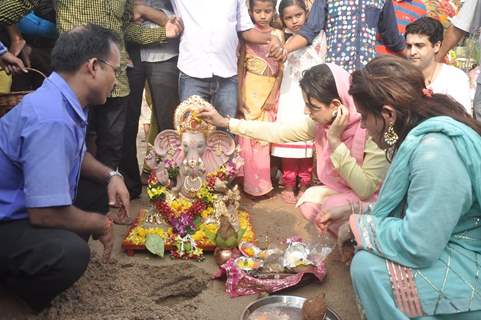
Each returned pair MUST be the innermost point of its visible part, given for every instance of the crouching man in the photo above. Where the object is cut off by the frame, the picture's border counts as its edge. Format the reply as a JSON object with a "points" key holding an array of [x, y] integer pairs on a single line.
{"points": [[43, 229]]}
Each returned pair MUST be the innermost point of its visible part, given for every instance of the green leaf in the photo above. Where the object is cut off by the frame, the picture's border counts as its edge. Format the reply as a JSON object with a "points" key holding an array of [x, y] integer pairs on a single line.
{"points": [[155, 244], [240, 234], [209, 235], [197, 221]]}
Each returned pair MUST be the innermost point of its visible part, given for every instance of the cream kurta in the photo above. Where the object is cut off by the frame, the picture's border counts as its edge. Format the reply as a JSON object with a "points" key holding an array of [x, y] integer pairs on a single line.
{"points": [[364, 180]]}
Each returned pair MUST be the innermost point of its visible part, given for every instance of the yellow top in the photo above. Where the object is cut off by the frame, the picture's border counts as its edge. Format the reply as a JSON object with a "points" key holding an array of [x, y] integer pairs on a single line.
{"points": [[362, 179]]}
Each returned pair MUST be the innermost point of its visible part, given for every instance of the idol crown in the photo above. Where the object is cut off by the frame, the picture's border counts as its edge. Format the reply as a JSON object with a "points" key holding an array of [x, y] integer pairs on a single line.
{"points": [[186, 116]]}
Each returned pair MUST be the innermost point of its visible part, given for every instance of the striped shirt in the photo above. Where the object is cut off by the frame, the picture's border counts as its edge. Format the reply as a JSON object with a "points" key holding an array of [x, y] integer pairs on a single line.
{"points": [[114, 15], [3, 49], [407, 11]]}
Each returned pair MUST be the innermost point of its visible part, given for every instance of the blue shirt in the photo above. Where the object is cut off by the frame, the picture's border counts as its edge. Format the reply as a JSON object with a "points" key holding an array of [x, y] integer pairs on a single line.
{"points": [[3, 49], [42, 144]]}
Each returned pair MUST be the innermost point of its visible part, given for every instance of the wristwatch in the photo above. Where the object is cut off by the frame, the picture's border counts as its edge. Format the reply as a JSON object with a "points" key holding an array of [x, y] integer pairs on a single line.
{"points": [[114, 173]]}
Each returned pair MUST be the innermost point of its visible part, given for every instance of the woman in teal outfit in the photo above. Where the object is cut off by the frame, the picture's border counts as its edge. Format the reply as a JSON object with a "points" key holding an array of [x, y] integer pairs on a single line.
{"points": [[418, 248]]}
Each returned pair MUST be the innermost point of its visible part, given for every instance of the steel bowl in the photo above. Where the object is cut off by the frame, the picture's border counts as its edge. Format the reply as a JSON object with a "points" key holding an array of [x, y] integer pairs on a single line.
{"points": [[292, 302]]}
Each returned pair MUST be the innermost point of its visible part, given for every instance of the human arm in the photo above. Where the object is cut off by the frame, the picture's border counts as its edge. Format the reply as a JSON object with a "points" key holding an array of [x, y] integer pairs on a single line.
{"points": [[363, 179], [49, 158], [16, 40], [142, 35], [452, 37], [9, 62], [241, 74], [73, 219], [314, 24], [173, 25], [116, 190], [387, 27], [437, 196], [467, 20], [145, 12], [274, 132]]}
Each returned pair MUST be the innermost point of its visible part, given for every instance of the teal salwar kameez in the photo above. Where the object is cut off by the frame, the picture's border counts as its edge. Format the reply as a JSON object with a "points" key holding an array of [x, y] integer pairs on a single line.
{"points": [[419, 249]]}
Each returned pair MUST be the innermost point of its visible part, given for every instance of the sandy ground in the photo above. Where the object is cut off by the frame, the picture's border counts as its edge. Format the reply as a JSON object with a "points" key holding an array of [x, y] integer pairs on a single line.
{"points": [[148, 287]]}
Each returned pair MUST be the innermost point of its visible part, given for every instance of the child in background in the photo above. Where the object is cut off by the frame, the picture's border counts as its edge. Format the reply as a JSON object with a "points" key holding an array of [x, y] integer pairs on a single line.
{"points": [[259, 82], [296, 156]]}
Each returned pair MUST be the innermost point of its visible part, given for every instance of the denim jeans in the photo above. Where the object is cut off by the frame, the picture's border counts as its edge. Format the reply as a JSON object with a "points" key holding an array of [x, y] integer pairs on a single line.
{"points": [[220, 92]]}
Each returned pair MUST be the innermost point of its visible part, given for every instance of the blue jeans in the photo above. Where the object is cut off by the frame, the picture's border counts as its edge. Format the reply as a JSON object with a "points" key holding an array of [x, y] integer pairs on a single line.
{"points": [[220, 92]]}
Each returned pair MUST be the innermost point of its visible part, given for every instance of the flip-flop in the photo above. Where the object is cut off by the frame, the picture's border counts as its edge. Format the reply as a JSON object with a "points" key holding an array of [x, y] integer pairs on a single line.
{"points": [[288, 196]]}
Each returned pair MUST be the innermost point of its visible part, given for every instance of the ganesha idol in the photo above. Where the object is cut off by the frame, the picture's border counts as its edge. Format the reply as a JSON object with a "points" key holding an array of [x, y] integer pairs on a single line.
{"points": [[196, 155]]}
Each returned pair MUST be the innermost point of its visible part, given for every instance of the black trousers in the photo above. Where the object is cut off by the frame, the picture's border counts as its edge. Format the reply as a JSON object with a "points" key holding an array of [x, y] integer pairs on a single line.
{"points": [[162, 78], [108, 123], [36, 264], [92, 196]]}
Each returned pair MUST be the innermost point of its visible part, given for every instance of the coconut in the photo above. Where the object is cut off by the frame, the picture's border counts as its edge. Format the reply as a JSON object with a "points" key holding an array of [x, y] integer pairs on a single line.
{"points": [[315, 308]]}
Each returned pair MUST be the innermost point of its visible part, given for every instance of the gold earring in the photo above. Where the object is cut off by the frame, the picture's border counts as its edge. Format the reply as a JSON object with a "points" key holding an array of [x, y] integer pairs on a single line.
{"points": [[390, 136]]}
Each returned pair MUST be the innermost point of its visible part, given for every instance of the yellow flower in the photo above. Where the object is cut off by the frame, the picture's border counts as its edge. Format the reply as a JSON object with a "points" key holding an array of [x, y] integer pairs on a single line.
{"points": [[198, 235], [179, 206], [138, 234], [207, 212]]}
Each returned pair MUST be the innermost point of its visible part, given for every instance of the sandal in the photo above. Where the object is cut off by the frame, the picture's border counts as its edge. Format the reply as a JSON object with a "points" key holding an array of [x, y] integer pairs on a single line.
{"points": [[288, 196]]}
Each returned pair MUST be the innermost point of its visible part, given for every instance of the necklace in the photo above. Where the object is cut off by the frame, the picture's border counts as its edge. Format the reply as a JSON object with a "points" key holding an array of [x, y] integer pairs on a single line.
{"points": [[429, 80], [192, 185]]}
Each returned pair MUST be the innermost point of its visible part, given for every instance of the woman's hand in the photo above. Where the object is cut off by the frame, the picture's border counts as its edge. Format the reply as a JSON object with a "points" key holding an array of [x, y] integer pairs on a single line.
{"points": [[333, 214], [346, 250], [337, 127], [213, 117], [269, 105]]}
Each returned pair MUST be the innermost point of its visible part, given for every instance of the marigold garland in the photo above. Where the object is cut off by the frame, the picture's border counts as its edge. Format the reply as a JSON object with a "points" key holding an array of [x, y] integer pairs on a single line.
{"points": [[185, 216]]}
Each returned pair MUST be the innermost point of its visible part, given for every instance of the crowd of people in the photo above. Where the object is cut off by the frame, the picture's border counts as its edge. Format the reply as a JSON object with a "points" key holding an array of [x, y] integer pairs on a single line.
{"points": [[356, 95]]}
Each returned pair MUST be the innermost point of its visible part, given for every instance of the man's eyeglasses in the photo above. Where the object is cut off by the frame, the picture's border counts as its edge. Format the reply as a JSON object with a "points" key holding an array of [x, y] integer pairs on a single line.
{"points": [[117, 70]]}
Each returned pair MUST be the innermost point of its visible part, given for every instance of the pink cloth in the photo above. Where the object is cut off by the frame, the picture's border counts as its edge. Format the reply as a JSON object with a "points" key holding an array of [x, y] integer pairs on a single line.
{"points": [[293, 168], [240, 283], [257, 166], [354, 137], [256, 155]]}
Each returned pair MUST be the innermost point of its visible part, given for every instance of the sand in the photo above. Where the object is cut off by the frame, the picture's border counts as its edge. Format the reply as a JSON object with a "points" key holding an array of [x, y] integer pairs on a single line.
{"points": [[145, 287], [149, 287]]}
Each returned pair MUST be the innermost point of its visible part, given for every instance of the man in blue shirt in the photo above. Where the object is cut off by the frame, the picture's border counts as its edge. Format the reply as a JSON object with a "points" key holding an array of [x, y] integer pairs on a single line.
{"points": [[8, 61], [42, 154]]}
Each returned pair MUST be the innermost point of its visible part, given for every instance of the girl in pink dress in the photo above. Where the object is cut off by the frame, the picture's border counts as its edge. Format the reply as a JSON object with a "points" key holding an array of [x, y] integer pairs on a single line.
{"points": [[259, 81]]}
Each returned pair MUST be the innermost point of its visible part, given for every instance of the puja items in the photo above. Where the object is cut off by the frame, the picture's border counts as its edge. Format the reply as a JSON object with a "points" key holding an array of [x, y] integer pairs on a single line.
{"points": [[272, 269], [194, 206], [278, 307]]}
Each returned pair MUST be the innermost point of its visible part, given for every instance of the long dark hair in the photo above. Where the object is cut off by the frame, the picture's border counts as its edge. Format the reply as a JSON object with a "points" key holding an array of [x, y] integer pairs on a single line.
{"points": [[287, 3], [393, 81], [318, 82]]}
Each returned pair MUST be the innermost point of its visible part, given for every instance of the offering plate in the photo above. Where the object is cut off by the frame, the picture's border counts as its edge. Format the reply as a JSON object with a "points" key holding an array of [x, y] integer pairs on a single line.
{"points": [[290, 306]]}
